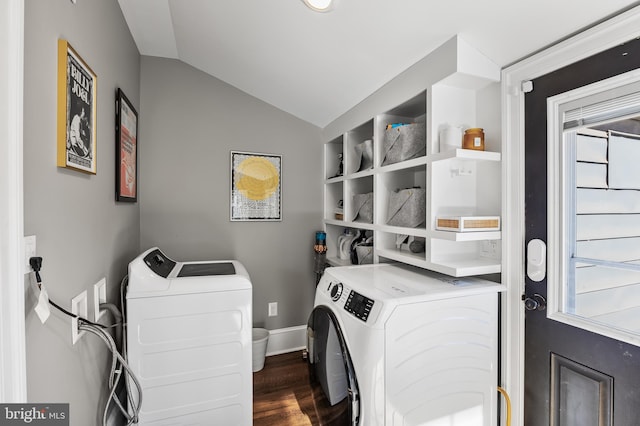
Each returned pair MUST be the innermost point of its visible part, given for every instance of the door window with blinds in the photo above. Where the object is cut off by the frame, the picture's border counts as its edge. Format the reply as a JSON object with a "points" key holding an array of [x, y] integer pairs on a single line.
{"points": [[594, 207]]}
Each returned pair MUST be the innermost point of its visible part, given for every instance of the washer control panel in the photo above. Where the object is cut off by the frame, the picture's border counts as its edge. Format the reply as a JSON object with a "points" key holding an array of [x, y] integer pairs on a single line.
{"points": [[159, 263], [358, 305], [353, 302]]}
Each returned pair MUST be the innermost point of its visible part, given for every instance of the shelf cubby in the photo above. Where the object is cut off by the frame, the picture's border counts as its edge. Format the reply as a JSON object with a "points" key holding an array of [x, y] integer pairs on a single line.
{"points": [[332, 152], [391, 246], [390, 182], [334, 230], [357, 186], [411, 111], [333, 196], [465, 184], [353, 139], [462, 258]]}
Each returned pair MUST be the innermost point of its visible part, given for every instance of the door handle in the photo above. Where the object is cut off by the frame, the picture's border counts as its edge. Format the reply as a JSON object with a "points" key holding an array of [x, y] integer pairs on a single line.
{"points": [[536, 260], [537, 302]]}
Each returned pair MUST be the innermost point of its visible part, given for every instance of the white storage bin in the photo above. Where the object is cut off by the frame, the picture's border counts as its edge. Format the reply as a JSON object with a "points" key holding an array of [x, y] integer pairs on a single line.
{"points": [[260, 337]]}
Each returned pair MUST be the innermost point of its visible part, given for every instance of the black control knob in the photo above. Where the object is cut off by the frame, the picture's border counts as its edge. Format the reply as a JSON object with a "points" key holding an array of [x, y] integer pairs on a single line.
{"points": [[336, 292]]}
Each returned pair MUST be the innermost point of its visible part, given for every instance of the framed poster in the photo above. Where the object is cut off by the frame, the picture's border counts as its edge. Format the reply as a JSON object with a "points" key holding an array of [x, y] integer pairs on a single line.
{"points": [[126, 149], [76, 111], [256, 187]]}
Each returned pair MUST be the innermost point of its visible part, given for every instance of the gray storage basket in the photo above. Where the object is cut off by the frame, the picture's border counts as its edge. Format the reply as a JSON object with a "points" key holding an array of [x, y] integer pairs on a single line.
{"points": [[364, 152], [364, 253], [404, 143], [363, 207], [407, 208]]}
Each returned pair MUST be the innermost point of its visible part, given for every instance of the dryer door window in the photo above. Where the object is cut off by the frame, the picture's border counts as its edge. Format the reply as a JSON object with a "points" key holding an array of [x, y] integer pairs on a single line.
{"points": [[331, 373]]}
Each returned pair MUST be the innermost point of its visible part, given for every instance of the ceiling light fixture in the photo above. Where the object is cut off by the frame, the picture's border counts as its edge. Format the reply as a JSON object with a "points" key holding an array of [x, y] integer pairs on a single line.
{"points": [[318, 5]]}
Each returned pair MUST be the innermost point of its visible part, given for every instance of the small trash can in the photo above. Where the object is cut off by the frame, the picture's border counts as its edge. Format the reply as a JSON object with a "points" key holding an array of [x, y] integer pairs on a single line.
{"points": [[260, 340]]}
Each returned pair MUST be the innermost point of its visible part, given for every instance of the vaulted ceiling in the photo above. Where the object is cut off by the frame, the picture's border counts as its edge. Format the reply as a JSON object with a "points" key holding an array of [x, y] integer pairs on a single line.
{"points": [[316, 66]]}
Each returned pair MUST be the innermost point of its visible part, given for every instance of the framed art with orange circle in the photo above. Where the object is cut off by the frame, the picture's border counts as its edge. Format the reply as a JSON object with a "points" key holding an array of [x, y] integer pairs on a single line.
{"points": [[256, 187]]}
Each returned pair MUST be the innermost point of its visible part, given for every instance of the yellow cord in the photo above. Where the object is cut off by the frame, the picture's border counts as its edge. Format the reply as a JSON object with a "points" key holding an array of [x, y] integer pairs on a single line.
{"points": [[508, 401]]}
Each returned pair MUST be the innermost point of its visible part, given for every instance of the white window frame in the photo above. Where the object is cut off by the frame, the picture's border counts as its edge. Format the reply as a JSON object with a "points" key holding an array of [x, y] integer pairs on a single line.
{"points": [[560, 193]]}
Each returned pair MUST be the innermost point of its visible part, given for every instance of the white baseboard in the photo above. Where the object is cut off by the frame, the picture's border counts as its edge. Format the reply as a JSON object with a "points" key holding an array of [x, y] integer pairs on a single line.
{"points": [[290, 339]]}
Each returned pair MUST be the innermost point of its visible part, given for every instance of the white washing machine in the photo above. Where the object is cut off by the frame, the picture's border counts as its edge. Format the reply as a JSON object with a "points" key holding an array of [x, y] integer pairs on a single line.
{"points": [[393, 345], [189, 340]]}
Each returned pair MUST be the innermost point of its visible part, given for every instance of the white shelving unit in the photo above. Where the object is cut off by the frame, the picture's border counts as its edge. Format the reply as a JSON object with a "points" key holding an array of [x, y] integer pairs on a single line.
{"points": [[451, 85]]}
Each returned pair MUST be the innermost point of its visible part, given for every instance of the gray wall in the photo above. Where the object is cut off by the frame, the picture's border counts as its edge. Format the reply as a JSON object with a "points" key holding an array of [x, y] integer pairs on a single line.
{"points": [[82, 234], [190, 122]]}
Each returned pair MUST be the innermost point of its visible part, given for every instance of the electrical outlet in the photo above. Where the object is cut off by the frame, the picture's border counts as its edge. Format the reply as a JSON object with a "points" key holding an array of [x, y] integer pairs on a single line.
{"points": [[99, 297], [29, 252], [78, 307], [273, 309]]}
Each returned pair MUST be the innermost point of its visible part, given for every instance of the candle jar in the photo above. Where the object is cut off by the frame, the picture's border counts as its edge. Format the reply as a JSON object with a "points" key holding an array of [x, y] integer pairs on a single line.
{"points": [[473, 139]]}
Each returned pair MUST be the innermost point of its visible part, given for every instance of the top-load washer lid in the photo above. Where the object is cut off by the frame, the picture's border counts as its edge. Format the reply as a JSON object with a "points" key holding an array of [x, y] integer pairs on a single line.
{"points": [[153, 273], [206, 269], [159, 263]]}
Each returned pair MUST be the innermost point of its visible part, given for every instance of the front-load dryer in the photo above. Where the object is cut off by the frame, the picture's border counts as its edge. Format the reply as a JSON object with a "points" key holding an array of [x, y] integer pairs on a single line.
{"points": [[189, 340], [394, 345]]}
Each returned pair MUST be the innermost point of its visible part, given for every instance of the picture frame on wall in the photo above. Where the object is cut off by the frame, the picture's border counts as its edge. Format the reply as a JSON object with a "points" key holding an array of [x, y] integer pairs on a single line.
{"points": [[77, 101], [126, 149], [256, 187]]}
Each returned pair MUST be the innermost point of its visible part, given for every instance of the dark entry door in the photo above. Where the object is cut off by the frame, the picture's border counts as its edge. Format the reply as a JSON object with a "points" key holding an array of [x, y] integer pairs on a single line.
{"points": [[573, 377]]}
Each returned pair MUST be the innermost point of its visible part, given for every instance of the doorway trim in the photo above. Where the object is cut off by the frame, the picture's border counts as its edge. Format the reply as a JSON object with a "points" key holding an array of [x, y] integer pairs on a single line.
{"points": [[13, 383], [515, 79]]}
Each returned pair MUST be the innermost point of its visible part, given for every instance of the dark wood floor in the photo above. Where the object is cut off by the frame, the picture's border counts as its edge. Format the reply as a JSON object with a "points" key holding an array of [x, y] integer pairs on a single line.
{"points": [[282, 394]]}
